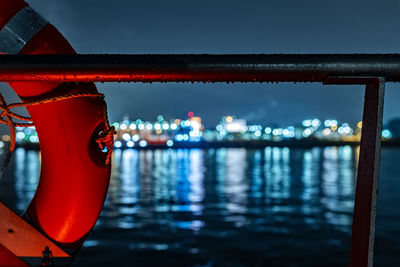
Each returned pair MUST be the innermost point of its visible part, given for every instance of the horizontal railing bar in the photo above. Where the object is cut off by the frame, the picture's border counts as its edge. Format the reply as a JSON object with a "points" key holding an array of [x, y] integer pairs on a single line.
{"points": [[198, 68]]}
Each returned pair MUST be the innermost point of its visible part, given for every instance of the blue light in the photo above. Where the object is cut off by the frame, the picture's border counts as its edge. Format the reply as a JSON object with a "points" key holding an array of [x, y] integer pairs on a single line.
{"points": [[34, 139], [117, 144], [170, 143], [328, 123], [253, 128], [28, 131], [116, 125], [179, 137], [386, 133]]}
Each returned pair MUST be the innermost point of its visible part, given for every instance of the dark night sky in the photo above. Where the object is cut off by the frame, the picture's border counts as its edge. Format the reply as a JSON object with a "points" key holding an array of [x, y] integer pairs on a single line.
{"points": [[159, 26]]}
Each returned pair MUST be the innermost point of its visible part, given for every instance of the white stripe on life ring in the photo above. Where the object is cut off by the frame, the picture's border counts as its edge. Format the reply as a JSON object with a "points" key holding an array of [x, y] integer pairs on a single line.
{"points": [[20, 29]]}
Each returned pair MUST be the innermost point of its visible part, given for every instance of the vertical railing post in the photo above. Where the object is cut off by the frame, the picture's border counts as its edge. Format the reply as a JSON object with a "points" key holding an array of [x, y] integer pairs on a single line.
{"points": [[363, 232]]}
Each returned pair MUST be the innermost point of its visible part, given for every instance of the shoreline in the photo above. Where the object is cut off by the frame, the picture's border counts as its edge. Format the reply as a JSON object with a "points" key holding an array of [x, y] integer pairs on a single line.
{"points": [[242, 144]]}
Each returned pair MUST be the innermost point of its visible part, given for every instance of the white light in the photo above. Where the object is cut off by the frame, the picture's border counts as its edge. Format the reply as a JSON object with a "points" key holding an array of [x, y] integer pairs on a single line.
{"points": [[126, 136], [347, 130], [149, 126], [195, 134], [1, 144], [307, 123], [285, 132], [334, 123], [141, 126], [326, 131], [257, 133], [174, 126], [179, 137], [328, 123], [195, 125], [234, 127], [130, 144], [170, 143], [19, 136], [34, 139], [289, 132], [165, 126], [117, 144], [187, 123], [132, 126], [157, 126], [268, 130], [185, 137], [275, 132], [316, 122], [143, 143], [307, 132], [135, 137], [122, 126]]}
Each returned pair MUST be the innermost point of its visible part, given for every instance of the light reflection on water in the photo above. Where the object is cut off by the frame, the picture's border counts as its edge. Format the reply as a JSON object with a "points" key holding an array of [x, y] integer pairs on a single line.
{"points": [[229, 206], [27, 169]]}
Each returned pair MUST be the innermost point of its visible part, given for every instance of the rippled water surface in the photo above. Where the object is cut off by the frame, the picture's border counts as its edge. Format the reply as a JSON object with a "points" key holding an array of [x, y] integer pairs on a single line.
{"points": [[227, 207]]}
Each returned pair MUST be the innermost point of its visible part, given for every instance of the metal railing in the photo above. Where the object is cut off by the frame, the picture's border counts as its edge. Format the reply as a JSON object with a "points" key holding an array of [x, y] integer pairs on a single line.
{"points": [[372, 70], [200, 68]]}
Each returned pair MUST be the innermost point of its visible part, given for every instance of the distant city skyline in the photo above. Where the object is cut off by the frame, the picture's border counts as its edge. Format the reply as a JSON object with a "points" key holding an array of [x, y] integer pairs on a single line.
{"points": [[190, 131]]}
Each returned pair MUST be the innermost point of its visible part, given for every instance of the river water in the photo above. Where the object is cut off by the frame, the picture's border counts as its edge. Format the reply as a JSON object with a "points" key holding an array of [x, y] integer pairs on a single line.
{"points": [[227, 207]]}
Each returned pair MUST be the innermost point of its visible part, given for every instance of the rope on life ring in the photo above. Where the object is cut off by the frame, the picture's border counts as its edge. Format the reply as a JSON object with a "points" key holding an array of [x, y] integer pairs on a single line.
{"points": [[104, 140]]}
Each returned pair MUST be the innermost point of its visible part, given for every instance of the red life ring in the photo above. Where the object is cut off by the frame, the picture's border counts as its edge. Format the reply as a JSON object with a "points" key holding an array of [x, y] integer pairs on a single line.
{"points": [[75, 172]]}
